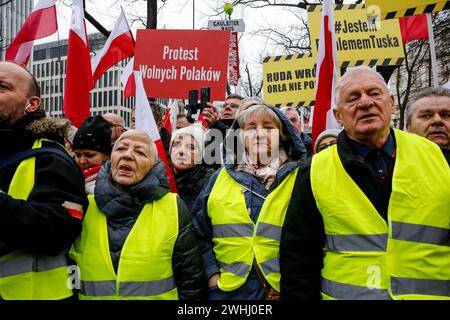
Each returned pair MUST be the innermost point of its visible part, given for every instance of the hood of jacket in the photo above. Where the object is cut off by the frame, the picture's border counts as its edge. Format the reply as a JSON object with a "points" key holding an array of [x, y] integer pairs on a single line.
{"points": [[118, 203], [30, 127], [294, 147]]}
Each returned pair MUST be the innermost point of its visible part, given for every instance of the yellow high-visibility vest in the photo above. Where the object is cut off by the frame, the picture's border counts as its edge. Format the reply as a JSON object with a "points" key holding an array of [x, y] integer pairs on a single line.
{"points": [[145, 266], [26, 276], [366, 257], [237, 240]]}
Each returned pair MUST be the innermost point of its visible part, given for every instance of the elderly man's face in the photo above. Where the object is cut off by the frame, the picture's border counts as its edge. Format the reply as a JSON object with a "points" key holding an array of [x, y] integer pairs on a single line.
{"points": [[365, 106], [431, 119], [294, 119], [14, 91], [230, 108], [131, 160], [261, 139]]}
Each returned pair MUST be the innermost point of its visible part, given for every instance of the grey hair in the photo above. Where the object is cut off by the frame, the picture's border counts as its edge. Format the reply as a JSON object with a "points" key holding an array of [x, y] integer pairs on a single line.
{"points": [[286, 109], [114, 116], [141, 134], [425, 93], [351, 72]]}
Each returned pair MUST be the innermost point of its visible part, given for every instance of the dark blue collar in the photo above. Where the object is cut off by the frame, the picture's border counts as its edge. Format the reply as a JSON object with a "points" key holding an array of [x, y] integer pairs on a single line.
{"points": [[362, 150]]}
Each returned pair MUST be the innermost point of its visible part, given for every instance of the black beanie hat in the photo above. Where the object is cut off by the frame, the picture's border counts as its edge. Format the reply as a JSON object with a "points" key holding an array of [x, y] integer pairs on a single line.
{"points": [[94, 134]]}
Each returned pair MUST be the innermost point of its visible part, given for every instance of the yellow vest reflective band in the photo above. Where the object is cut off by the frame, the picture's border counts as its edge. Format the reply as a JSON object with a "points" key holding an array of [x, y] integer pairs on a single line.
{"points": [[367, 258], [145, 265], [28, 276], [237, 240]]}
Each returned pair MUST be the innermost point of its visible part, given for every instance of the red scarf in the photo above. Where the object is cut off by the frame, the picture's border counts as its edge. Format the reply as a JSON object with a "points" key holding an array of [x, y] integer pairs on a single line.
{"points": [[92, 170]]}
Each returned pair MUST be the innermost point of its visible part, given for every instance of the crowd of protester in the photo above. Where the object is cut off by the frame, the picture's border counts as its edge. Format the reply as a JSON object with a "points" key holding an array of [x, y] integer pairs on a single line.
{"points": [[261, 212]]}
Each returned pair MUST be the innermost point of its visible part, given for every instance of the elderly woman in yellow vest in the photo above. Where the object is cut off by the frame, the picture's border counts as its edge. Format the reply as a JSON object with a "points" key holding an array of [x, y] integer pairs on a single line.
{"points": [[240, 212], [137, 240]]}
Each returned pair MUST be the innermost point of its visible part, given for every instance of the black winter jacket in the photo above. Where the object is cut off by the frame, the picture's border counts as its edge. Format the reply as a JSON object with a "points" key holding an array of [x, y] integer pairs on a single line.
{"points": [[39, 225], [122, 208], [303, 234]]}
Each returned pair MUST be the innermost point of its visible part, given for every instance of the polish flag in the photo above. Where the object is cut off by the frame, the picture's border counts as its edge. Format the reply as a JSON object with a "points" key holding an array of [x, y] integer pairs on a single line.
{"points": [[146, 122], [79, 72], [119, 46], [326, 74], [170, 119], [40, 24], [127, 79]]}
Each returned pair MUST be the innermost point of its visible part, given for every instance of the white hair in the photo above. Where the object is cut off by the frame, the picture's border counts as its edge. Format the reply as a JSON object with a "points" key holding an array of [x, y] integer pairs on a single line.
{"points": [[141, 134], [351, 72]]}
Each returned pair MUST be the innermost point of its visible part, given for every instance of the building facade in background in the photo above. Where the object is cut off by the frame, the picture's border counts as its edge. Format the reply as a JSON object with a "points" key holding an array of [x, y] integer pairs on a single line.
{"points": [[12, 16]]}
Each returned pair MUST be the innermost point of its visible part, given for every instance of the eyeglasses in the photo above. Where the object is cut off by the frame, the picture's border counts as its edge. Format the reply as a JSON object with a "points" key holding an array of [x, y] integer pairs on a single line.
{"points": [[233, 105], [112, 126], [325, 145]]}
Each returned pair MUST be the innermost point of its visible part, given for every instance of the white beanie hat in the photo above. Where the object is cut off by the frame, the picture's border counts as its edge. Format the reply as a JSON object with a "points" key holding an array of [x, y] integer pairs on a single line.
{"points": [[194, 130], [324, 134]]}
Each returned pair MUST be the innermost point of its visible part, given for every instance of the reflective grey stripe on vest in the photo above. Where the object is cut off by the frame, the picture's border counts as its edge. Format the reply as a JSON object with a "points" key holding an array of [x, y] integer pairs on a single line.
{"points": [[230, 230], [31, 263], [420, 233], [272, 265], [269, 231], [146, 288], [238, 268], [98, 288], [344, 291], [356, 242], [401, 286], [127, 289]]}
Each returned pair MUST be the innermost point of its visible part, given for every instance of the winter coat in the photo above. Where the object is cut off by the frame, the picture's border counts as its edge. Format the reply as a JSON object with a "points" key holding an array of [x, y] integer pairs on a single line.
{"points": [[191, 183], [122, 208], [252, 288], [303, 234], [40, 225]]}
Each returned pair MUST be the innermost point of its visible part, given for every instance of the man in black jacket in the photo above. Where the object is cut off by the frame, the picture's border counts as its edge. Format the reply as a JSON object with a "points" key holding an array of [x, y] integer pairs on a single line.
{"points": [[42, 198], [355, 227]]}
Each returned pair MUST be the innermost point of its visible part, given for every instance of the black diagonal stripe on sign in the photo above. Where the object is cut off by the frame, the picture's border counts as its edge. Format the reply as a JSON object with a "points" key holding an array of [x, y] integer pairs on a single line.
{"points": [[429, 8], [400, 61], [359, 62], [266, 59], [312, 7], [289, 104], [277, 105], [338, 7], [446, 6], [300, 104], [386, 62], [299, 55], [352, 6], [345, 64], [289, 57], [391, 15], [277, 58], [373, 62], [410, 12]]}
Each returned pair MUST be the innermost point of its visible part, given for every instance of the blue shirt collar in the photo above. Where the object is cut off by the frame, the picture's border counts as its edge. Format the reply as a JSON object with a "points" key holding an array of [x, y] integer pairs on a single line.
{"points": [[362, 150]]}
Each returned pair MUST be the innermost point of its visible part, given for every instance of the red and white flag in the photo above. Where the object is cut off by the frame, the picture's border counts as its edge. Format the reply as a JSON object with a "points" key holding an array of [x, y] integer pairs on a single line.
{"points": [[40, 24], [119, 46], [170, 119], [79, 72], [127, 79], [326, 74], [146, 122]]}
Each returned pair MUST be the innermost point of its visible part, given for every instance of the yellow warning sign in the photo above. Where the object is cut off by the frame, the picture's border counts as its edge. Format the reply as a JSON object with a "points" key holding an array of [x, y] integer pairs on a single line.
{"points": [[290, 80], [400, 8], [359, 39]]}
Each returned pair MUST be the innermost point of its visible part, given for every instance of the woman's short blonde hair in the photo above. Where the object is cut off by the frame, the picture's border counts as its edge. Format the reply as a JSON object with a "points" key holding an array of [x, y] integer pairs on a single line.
{"points": [[141, 134]]}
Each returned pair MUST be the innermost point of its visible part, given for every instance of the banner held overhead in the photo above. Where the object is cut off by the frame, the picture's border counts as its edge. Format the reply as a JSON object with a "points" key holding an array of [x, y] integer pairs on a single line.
{"points": [[172, 62], [360, 41]]}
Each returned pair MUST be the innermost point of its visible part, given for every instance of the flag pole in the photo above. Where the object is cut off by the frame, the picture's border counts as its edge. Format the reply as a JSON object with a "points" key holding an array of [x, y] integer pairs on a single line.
{"points": [[434, 67]]}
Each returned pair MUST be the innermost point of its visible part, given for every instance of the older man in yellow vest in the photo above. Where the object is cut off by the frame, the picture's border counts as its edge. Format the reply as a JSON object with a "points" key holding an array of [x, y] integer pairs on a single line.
{"points": [[369, 218]]}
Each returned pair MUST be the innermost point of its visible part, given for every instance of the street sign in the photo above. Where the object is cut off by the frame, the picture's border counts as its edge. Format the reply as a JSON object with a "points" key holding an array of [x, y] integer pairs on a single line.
{"points": [[236, 25]]}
